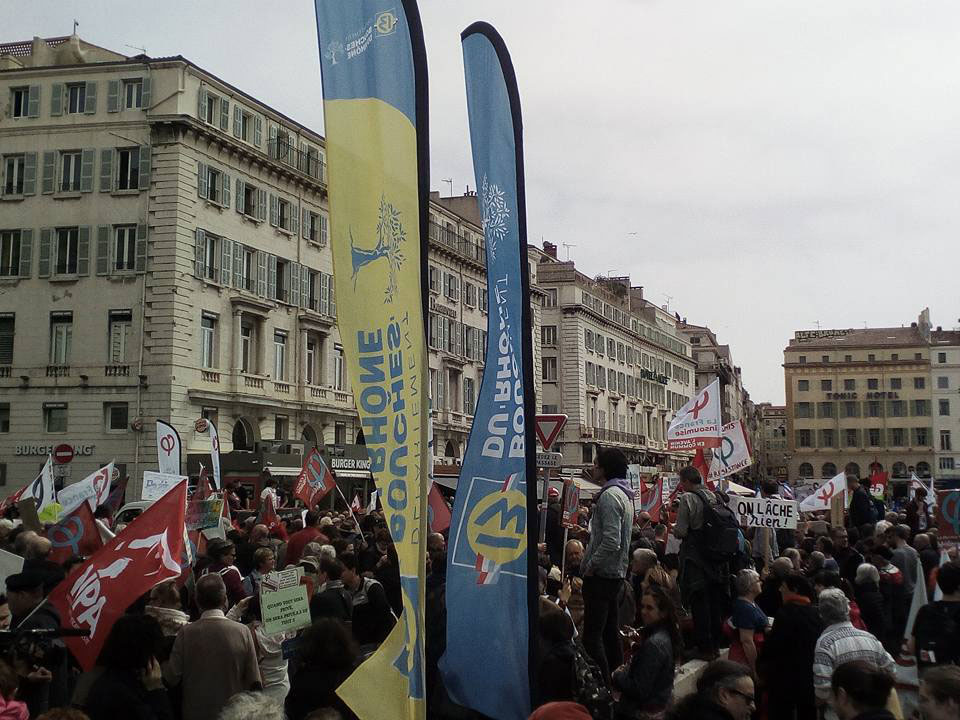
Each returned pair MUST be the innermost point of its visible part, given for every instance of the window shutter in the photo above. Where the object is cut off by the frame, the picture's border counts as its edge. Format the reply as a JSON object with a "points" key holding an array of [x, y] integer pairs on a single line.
{"points": [[43, 259], [26, 251], [202, 104], [323, 230], [49, 170], [295, 284], [30, 173], [272, 149], [324, 293], [459, 338], [238, 265], [272, 277], [103, 250], [261, 273], [33, 105], [225, 194], [294, 220], [273, 210], [226, 261], [90, 100], [303, 164], [257, 130], [237, 119], [224, 114], [145, 93], [304, 223], [333, 299], [56, 99], [202, 181], [113, 96], [199, 246], [238, 200], [305, 286], [83, 250], [261, 204], [141, 263], [86, 169], [146, 161], [106, 170]]}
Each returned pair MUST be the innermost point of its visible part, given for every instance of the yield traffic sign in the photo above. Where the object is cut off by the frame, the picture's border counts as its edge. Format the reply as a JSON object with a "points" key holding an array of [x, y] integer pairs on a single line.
{"points": [[548, 427]]}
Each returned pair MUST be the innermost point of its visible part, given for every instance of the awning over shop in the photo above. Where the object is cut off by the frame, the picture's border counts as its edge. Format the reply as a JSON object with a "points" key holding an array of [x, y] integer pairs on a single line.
{"points": [[282, 471], [352, 474], [448, 481]]}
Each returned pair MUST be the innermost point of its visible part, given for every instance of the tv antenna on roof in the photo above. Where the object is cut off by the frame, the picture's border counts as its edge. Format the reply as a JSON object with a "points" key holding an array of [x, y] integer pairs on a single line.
{"points": [[568, 246], [449, 182], [817, 323], [75, 26], [669, 298], [143, 51]]}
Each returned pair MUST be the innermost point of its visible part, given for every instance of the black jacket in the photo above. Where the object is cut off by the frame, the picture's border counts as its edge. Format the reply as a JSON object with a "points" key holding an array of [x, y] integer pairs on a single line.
{"points": [[119, 693], [312, 688], [860, 508], [786, 661], [41, 696], [873, 610], [698, 707]]}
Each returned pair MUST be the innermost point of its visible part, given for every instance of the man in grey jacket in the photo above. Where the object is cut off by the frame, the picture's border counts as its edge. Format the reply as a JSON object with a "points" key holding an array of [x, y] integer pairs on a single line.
{"points": [[604, 565]]}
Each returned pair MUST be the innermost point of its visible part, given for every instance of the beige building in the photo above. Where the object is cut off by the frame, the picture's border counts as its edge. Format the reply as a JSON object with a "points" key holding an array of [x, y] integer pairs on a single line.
{"points": [[612, 362], [945, 388], [771, 451], [714, 361], [860, 400]]}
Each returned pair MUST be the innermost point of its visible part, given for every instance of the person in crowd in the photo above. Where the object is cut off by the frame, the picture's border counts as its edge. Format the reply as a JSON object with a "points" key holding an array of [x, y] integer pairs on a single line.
{"points": [[940, 693], [372, 617], [770, 598], [860, 691], [165, 607], [45, 686], [827, 579], [936, 629], [251, 706], [725, 691], [640, 562], [646, 683], [264, 561], [891, 583], [846, 556], [128, 681], [840, 642], [918, 512], [906, 560], [5, 615], [748, 623], [795, 558], [326, 655], [875, 615], [310, 533], [702, 582], [560, 711], [825, 546], [556, 654], [213, 658], [270, 490], [222, 554], [273, 665], [861, 507], [929, 557], [604, 565], [331, 599], [10, 707], [387, 573], [554, 531], [572, 590], [785, 664], [814, 564]]}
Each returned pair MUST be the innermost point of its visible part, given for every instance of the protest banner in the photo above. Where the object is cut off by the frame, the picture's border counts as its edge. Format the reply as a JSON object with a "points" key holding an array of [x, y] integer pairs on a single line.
{"points": [[948, 514], [733, 455], [95, 488], [571, 502], [438, 513], [697, 424], [156, 485], [284, 609], [280, 579], [203, 513], [314, 481], [75, 534], [649, 499], [821, 498], [168, 448], [766, 512]]}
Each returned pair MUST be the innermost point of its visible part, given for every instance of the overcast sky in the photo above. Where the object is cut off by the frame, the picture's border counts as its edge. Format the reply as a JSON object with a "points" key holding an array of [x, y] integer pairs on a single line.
{"points": [[766, 164]]}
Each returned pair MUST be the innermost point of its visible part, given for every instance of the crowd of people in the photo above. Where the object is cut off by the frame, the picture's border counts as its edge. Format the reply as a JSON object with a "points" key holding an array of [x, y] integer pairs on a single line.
{"points": [[778, 624]]}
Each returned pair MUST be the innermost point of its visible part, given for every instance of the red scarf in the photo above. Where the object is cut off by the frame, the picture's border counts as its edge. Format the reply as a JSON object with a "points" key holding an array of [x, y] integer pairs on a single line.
{"points": [[796, 599]]}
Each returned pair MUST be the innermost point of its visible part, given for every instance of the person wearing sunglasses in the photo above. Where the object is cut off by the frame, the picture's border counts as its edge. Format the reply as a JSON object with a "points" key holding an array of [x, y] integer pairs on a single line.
{"points": [[725, 691]]}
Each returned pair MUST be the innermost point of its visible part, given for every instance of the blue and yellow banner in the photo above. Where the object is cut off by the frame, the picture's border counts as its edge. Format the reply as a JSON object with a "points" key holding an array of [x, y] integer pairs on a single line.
{"points": [[489, 600], [374, 88]]}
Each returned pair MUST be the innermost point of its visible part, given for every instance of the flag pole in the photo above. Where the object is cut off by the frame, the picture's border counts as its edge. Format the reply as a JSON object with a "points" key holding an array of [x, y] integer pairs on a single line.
{"points": [[350, 509]]}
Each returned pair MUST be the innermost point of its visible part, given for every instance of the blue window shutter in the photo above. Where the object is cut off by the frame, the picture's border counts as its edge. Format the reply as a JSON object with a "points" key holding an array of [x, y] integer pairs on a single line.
{"points": [[324, 294], [274, 212], [43, 258], [257, 131], [26, 251], [224, 114], [56, 99], [146, 161], [141, 265], [88, 158], [199, 248], [49, 171], [90, 99], [83, 250], [113, 96], [106, 170], [145, 94], [323, 230], [103, 250], [30, 173], [225, 193], [202, 181], [33, 106]]}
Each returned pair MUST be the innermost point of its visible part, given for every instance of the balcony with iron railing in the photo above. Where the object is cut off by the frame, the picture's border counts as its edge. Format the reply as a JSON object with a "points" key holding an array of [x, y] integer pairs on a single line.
{"points": [[612, 436], [473, 251], [283, 150]]}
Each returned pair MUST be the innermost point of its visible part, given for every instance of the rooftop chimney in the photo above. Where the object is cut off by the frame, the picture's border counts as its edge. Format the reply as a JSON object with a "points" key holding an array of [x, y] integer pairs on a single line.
{"points": [[550, 249]]}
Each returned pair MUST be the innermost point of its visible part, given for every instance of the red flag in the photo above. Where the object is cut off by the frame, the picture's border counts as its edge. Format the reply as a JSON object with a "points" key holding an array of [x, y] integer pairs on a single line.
{"points": [[700, 463], [75, 534], [356, 505], [651, 501], [268, 514], [878, 478], [145, 554], [314, 481], [438, 513], [115, 499], [203, 486]]}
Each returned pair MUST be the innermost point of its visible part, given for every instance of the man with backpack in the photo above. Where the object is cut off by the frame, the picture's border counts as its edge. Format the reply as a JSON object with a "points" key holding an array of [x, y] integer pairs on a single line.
{"points": [[710, 539], [862, 511], [604, 564]]}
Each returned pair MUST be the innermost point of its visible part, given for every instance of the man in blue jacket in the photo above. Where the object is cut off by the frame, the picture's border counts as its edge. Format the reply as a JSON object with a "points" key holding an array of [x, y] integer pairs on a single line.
{"points": [[604, 565]]}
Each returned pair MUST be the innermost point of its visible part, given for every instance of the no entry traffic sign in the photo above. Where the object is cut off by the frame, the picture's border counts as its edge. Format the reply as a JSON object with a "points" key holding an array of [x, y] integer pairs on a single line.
{"points": [[62, 454]]}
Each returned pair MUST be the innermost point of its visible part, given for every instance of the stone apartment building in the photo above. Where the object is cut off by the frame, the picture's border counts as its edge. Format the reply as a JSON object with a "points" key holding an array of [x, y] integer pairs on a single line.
{"points": [[612, 362], [945, 389], [714, 360], [771, 451]]}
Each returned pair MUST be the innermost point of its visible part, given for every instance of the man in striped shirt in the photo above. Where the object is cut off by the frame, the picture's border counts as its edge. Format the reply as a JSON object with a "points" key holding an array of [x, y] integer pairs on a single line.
{"points": [[840, 643]]}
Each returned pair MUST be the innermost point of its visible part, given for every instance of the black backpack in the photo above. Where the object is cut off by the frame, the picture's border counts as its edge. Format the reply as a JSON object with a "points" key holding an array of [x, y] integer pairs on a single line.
{"points": [[720, 534], [588, 687], [937, 634]]}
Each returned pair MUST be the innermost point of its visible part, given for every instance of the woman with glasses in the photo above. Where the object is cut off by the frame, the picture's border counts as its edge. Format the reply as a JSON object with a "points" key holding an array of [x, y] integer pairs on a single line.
{"points": [[725, 691]]}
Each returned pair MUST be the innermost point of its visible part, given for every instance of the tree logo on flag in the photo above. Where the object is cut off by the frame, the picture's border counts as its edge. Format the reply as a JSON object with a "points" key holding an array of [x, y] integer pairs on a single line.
{"points": [[390, 238], [408, 662], [333, 50], [495, 214]]}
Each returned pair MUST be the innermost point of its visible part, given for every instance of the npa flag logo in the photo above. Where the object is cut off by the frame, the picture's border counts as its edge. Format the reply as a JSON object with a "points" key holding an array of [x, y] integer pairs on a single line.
{"points": [[314, 481]]}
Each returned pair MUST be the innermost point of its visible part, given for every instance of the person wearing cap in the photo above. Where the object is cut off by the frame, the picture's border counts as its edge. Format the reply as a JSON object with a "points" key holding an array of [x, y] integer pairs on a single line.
{"points": [[222, 554], [45, 686]]}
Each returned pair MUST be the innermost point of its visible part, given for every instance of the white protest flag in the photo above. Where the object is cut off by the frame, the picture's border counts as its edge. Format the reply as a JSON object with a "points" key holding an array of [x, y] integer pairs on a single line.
{"points": [[697, 424], [94, 488], [821, 498], [215, 456], [372, 505], [733, 455], [41, 489], [917, 483], [168, 448], [908, 679]]}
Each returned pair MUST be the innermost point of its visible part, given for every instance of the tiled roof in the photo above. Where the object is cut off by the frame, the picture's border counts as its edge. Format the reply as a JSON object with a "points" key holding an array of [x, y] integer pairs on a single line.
{"points": [[24, 48], [945, 337], [864, 337]]}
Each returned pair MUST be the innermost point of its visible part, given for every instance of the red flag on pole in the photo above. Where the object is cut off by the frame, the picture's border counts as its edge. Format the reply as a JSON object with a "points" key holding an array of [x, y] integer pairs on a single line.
{"points": [[356, 505], [145, 554], [651, 500], [268, 513], [314, 481], [75, 534], [437, 513], [701, 464]]}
